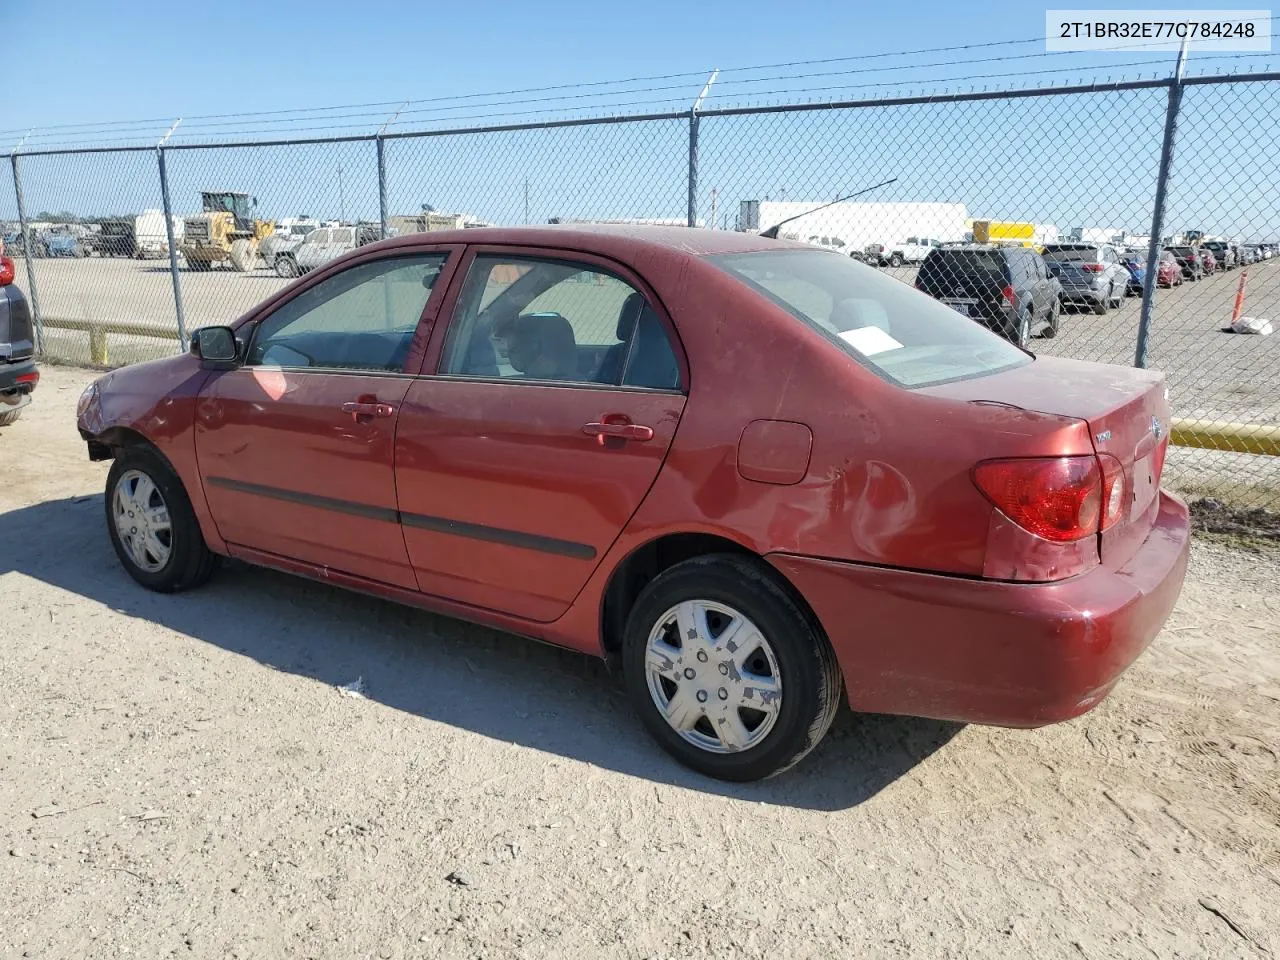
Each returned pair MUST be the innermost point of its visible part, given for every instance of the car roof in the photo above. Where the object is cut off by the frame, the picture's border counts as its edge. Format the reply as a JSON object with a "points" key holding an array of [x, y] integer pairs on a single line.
{"points": [[623, 241]]}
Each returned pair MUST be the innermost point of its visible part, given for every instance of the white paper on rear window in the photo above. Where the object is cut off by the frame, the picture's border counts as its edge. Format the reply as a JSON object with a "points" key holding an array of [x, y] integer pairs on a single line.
{"points": [[869, 341]]}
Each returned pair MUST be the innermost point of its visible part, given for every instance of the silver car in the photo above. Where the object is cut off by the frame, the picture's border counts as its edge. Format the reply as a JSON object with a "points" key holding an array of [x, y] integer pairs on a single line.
{"points": [[1091, 274]]}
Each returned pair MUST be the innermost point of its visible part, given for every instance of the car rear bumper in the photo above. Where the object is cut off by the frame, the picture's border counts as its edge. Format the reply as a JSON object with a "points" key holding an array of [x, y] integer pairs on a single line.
{"points": [[981, 651], [1082, 294], [16, 379]]}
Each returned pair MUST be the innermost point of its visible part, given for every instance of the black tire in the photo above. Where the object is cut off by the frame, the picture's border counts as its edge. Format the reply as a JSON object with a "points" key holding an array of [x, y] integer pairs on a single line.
{"points": [[895, 260], [807, 668], [190, 561], [9, 416], [1055, 318], [1102, 305], [286, 266]]}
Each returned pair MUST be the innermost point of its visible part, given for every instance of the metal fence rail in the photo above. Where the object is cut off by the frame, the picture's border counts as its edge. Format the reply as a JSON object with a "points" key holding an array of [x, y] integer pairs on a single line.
{"points": [[1135, 164]]}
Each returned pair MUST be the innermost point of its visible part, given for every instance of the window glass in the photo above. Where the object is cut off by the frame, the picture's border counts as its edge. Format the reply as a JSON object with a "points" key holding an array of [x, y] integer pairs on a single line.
{"points": [[362, 318], [343, 235], [902, 335], [318, 236], [554, 320]]}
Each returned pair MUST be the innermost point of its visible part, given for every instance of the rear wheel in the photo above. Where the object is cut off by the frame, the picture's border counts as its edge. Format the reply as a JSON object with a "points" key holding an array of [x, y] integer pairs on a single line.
{"points": [[286, 267], [152, 526], [728, 673], [895, 260], [1102, 304], [9, 416], [1055, 312]]}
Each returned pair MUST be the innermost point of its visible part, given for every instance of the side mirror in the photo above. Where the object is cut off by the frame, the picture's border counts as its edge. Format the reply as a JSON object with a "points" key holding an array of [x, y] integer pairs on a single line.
{"points": [[215, 345]]}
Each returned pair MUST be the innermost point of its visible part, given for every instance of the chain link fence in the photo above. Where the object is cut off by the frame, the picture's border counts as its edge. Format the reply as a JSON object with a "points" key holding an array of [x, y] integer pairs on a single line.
{"points": [[118, 273]]}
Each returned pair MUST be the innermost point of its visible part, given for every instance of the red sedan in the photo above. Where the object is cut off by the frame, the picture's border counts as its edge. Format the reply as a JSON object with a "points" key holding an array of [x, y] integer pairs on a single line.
{"points": [[1168, 270], [755, 474]]}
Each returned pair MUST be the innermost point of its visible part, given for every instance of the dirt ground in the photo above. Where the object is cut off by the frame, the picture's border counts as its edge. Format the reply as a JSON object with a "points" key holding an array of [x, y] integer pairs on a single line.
{"points": [[181, 777]]}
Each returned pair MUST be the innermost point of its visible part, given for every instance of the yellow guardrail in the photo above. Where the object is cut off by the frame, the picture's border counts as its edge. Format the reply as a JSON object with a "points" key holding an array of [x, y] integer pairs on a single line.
{"points": [[1235, 437], [98, 330]]}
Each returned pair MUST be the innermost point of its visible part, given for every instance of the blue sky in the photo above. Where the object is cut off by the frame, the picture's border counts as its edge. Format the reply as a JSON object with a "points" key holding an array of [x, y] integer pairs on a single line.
{"points": [[92, 61], [1071, 161]]}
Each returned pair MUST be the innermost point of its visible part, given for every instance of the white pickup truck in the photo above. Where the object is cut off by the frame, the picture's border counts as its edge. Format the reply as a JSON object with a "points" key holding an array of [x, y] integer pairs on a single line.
{"points": [[911, 250]]}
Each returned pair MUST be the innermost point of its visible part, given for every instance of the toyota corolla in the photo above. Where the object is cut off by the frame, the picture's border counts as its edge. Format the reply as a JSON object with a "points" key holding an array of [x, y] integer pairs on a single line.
{"points": [[756, 476]]}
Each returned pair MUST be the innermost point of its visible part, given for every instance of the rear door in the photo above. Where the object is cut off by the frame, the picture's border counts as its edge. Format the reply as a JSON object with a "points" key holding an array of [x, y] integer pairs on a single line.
{"points": [[543, 416]]}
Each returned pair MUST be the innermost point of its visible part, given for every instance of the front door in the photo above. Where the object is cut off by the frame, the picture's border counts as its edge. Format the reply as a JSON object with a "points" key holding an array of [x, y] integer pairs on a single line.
{"points": [[296, 446], [555, 398]]}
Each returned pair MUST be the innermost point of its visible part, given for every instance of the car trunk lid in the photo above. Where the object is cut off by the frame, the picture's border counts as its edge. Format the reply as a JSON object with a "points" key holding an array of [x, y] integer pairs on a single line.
{"points": [[1128, 415]]}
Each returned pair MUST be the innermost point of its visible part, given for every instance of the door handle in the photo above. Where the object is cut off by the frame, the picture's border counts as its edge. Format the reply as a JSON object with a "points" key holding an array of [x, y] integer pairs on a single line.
{"points": [[364, 410], [617, 426]]}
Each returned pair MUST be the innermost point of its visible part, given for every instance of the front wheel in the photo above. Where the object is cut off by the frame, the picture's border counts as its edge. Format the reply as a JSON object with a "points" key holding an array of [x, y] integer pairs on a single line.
{"points": [[1055, 318], [728, 673], [286, 267], [895, 260], [152, 526]]}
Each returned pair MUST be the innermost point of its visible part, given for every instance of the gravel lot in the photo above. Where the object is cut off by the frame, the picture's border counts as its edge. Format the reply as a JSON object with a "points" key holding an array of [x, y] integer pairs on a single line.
{"points": [[180, 777]]}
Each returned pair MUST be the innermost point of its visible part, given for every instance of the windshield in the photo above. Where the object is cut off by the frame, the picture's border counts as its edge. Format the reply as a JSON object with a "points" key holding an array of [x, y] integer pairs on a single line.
{"points": [[898, 333]]}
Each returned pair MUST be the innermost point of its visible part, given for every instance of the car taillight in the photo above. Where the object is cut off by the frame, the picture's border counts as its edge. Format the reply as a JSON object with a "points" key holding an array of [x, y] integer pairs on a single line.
{"points": [[32, 378], [6, 271], [1056, 498], [1113, 490], [1007, 296], [1091, 267]]}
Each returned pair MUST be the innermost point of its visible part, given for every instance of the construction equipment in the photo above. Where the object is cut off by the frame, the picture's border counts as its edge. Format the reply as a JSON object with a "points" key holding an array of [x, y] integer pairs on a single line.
{"points": [[225, 232]]}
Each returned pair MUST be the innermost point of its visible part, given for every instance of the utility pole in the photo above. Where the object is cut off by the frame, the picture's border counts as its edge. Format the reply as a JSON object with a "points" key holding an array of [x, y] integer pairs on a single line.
{"points": [[342, 197], [713, 208]]}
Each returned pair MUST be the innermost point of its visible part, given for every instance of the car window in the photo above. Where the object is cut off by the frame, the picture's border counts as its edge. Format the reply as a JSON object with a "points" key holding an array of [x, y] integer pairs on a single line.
{"points": [[317, 236], [530, 319], [342, 235], [898, 333], [362, 318]]}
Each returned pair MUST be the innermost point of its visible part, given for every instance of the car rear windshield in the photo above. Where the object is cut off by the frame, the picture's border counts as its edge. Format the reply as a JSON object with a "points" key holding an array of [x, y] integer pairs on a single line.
{"points": [[946, 266], [1053, 252], [896, 332]]}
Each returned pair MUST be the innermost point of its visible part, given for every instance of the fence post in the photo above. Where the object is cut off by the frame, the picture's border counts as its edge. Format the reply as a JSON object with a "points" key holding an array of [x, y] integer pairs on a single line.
{"points": [[179, 313], [692, 209], [694, 123], [382, 187], [1157, 214], [36, 315]]}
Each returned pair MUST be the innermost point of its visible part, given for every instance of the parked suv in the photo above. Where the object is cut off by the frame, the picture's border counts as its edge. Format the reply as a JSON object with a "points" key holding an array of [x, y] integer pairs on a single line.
{"points": [[18, 373], [1189, 261], [1006, 289], [1225, 253], [1091, 274]]}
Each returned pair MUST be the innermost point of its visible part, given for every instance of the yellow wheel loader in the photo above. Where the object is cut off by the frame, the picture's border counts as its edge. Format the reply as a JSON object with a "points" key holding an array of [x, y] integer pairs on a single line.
{"points": [[225, 232]]}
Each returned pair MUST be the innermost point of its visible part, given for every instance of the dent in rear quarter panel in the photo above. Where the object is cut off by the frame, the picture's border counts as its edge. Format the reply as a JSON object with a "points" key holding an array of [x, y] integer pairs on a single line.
{"points": [[157, 399]]}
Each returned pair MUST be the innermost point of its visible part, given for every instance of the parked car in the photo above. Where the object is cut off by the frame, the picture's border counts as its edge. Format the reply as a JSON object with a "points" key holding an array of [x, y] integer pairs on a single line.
{"points": [[1168, 270], [283, 243], [1007, 289], [18, 373], [114, 238], [1251, 253], [1090, 273], [866, 497], [1224, 252], [1136, 264], [320, 246], [1188, 260], [59, 244], [911, 250], [1208, 262]]}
